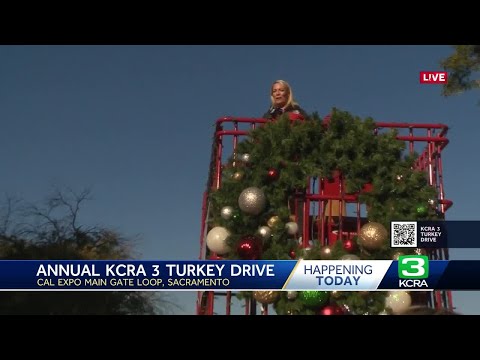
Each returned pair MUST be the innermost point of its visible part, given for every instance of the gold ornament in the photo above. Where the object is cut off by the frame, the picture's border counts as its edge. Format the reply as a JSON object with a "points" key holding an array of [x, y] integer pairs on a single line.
{"points": [[373, 236], [226, 212], [273, 221], [237, 176], [397, 254], [336, 294], [266, 297], [326, 253]]}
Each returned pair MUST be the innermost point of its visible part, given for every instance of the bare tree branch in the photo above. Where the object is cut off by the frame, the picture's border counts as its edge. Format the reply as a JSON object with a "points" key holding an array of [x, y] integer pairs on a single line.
{"points": [[9, 210]]}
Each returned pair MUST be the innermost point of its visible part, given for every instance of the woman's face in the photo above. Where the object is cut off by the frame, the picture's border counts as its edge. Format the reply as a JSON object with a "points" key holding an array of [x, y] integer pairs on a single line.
{"points": [[280, 95]]}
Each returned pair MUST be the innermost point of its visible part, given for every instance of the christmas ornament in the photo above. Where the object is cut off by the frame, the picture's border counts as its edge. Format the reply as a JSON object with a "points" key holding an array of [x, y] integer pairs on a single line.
{"points": [[349, 245], [313, 298], [249, 248], [273, 174], [422, 210], [273, 221], [397, 254], [291, 227], [331, 310], [292, 295], [245, 158], [252, 200], [292, 254], [236, 217], [265, 232], [398, 301], [349, 257], [336, 294], [217, 240], [266, 297], [226, 212], [326, 253], [419, 251], [372, 236], [238, 175]]}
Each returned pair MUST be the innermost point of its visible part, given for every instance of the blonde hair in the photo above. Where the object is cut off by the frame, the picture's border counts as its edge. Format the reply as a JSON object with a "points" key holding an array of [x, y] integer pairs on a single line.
{"points": [[290, 101]]}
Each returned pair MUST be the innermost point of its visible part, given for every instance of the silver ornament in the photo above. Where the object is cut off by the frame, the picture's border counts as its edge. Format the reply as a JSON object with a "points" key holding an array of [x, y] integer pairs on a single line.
{"points": [[265, 232], [245, 158], [226, 212], [252, 200], [292, 295]]}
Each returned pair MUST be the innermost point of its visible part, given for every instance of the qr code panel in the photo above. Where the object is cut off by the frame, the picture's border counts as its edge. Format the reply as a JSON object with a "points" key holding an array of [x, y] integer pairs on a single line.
{"points": [[404, 234]]}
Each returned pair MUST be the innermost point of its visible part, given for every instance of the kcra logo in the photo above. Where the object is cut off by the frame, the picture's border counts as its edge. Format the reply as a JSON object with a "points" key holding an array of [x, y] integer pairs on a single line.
{"points": [[413, 271]]}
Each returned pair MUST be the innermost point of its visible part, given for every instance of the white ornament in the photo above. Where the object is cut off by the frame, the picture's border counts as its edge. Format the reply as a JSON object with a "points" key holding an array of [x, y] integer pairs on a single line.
{"points": [[217, 240], [349, 257], [291, 227], [398, 301]]}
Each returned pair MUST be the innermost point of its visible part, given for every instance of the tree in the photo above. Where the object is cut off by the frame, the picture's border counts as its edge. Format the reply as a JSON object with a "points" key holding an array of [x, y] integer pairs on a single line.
{"points": [[53, 232], [461, 67], [252, 218]]}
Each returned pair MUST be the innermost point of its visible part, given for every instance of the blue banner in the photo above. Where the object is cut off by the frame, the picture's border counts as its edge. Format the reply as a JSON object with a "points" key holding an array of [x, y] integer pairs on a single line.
{"points": [[410, 272], [143, 275], [435, 234]]}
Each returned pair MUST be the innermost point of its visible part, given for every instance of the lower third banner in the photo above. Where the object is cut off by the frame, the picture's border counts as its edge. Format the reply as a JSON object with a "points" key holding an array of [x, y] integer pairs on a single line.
{"points": [[412, 272]]}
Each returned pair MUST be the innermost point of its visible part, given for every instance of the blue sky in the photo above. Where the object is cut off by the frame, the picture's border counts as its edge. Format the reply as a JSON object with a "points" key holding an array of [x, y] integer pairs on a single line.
{"points": [[135, 124]]}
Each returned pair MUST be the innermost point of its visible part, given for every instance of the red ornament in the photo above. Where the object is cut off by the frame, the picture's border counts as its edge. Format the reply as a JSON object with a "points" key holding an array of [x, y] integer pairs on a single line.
{"points": [[349, 245], [249, 248], [273, 174], [331, 310], [292, 254]]}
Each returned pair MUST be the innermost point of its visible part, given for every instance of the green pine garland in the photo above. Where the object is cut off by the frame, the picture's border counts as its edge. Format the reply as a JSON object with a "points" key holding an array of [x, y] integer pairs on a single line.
{"points": [[298, 150]]}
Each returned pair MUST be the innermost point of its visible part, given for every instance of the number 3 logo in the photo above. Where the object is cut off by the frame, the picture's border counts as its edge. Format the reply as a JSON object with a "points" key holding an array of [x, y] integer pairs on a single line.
{"points": [[413, 267]]}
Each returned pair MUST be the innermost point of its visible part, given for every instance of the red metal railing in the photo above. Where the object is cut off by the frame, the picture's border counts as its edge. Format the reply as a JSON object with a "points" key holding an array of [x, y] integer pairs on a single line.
{"points": [[323, 194]]}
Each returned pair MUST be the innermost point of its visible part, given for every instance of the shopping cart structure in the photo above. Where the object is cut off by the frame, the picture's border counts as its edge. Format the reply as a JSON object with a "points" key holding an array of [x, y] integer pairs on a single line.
{"points": [[317, 199]]}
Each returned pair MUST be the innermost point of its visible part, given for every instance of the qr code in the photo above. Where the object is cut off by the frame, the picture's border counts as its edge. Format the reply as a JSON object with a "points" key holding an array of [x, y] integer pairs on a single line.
{"points": [[404, 234]]}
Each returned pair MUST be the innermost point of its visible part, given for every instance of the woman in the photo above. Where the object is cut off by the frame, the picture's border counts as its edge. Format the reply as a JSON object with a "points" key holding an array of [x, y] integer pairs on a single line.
{"points": [[282, 100]]}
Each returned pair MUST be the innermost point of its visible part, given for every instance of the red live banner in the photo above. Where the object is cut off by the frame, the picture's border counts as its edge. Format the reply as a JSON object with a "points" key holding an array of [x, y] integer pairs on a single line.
{"points": [[433, 77]]}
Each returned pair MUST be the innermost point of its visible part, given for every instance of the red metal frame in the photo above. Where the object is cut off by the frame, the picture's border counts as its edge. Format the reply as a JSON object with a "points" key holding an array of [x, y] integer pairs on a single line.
{"points": [[321, 194]]}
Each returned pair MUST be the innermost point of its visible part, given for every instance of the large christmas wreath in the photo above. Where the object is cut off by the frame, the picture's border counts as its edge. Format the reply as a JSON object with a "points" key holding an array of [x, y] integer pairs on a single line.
{"points": [[251, 217]]}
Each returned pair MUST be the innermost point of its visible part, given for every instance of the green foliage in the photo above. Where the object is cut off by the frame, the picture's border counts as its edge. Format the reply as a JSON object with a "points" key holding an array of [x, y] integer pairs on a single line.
{"points": [[300, 150], [462, 66]]}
